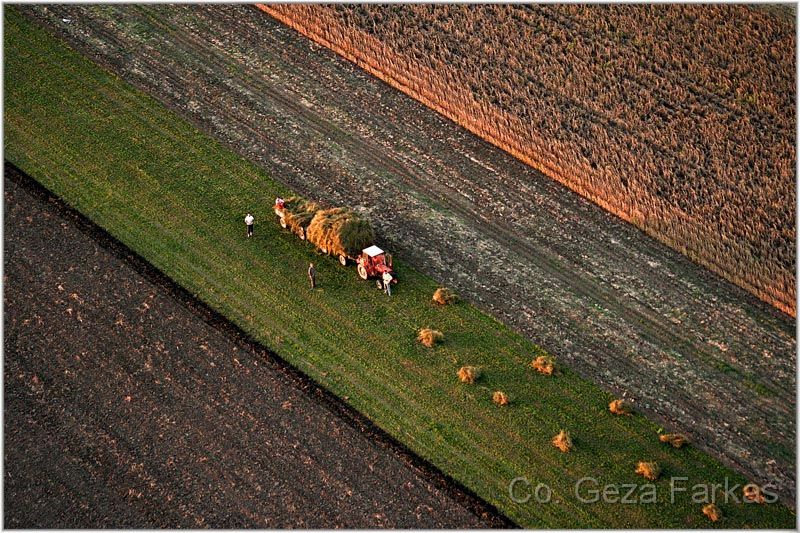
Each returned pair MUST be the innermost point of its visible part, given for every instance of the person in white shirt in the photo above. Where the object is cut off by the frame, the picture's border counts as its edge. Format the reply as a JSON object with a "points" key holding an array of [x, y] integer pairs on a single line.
{"points": [[387, 283], [249, 220]]}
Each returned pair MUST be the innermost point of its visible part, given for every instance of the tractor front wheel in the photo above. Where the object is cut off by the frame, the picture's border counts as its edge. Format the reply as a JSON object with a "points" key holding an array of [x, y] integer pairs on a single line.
{"points": [[282, 222], [301, 233], [362, 272], [343, 260]]}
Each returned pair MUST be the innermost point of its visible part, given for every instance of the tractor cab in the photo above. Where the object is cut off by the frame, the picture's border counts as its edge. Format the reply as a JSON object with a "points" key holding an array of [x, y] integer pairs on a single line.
{"points": [[374, 262]]}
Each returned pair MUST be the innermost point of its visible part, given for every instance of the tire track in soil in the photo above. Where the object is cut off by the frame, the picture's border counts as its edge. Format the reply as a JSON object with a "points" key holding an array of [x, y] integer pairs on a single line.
{"points": [[696, 352], [116, 432]]}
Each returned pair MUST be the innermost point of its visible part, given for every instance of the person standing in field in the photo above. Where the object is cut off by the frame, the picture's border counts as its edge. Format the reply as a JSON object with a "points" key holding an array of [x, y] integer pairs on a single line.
{"points": [[387, 283], [312, 275], [249, 220]]}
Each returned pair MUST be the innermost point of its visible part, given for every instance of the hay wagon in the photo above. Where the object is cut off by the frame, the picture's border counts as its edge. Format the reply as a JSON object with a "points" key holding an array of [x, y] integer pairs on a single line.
{"points": [[295, 214], [338, 231]]}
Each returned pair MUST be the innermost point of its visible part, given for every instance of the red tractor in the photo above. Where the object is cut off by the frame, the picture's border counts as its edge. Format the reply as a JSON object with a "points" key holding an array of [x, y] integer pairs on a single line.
{"points": [[374, 263]]}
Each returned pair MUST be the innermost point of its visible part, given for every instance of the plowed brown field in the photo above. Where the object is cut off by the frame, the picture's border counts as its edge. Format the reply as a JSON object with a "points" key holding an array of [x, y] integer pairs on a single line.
{"points": [[129, 405]]}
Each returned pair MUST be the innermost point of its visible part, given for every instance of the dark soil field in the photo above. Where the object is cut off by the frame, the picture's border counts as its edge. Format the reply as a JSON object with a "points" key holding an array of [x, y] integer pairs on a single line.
{"points": [[695, 352], [128, 404]]}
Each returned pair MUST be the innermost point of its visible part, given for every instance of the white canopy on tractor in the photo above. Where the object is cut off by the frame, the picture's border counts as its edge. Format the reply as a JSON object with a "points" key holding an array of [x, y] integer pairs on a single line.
{"points": [[372, 251]]}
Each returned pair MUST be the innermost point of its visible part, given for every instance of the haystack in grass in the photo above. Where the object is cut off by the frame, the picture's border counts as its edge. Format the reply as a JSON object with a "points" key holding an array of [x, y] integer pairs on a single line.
{"points": [[444, 296], [649, 470], [620, 407], [544, 364], [298, 213], [429, 337], [340, 231], [712, 512], [752, 493], [468, 374], [562, 441], [675, 439], [500, 398]]}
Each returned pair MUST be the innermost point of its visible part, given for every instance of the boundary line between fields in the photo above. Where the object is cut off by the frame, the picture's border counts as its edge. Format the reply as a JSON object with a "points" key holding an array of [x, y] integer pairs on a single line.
{"points": [[420, 466]]}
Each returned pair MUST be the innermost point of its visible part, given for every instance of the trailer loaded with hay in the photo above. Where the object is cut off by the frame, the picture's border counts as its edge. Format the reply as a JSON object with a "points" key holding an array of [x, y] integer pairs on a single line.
{"points": [[338, 231], [295, 214]]}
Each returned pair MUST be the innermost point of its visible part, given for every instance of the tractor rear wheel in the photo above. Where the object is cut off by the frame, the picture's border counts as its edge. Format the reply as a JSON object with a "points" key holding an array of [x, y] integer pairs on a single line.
{"points": [[282, 222], [362, 272], [343, 259], [301, 233]]}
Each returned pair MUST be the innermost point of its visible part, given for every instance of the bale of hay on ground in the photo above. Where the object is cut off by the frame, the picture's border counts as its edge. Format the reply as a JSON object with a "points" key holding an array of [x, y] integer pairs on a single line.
{"points": [[429, 337], [675, 439], [620, 407], [468, 374], [298, 213], [340, 231], [500, 398], [562, 441], [712, 512], [544, 364], [753, 493], [649, 470], [444, 296]]}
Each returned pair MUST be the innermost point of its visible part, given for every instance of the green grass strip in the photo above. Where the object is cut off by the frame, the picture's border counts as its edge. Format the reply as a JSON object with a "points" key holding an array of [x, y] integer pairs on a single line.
{"points": [[178, 198]]}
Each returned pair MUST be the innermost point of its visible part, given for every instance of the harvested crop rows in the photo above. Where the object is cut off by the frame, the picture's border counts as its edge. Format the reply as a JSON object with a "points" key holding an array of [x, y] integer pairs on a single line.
{"points": [[163, 419], [680, 119], [695, 352]]}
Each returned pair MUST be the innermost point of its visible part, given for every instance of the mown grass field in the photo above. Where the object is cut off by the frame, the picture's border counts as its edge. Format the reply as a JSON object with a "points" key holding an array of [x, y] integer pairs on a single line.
{"points": [[178, 198]]}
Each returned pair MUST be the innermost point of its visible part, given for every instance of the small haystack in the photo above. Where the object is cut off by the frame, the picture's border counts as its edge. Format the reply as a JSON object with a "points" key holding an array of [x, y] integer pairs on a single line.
{"points": [[752, 493], [675, 439], [340, 231], [712, 512], [444, 296], [649, 470], [429, 337], [620, 407], [562, 441], [468, 374], [544, 364], [500, 398]]}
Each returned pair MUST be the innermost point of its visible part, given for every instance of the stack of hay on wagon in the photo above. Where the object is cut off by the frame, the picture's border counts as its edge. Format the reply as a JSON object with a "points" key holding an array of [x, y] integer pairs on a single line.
{"points": [[341, 232], [297, 214]]}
